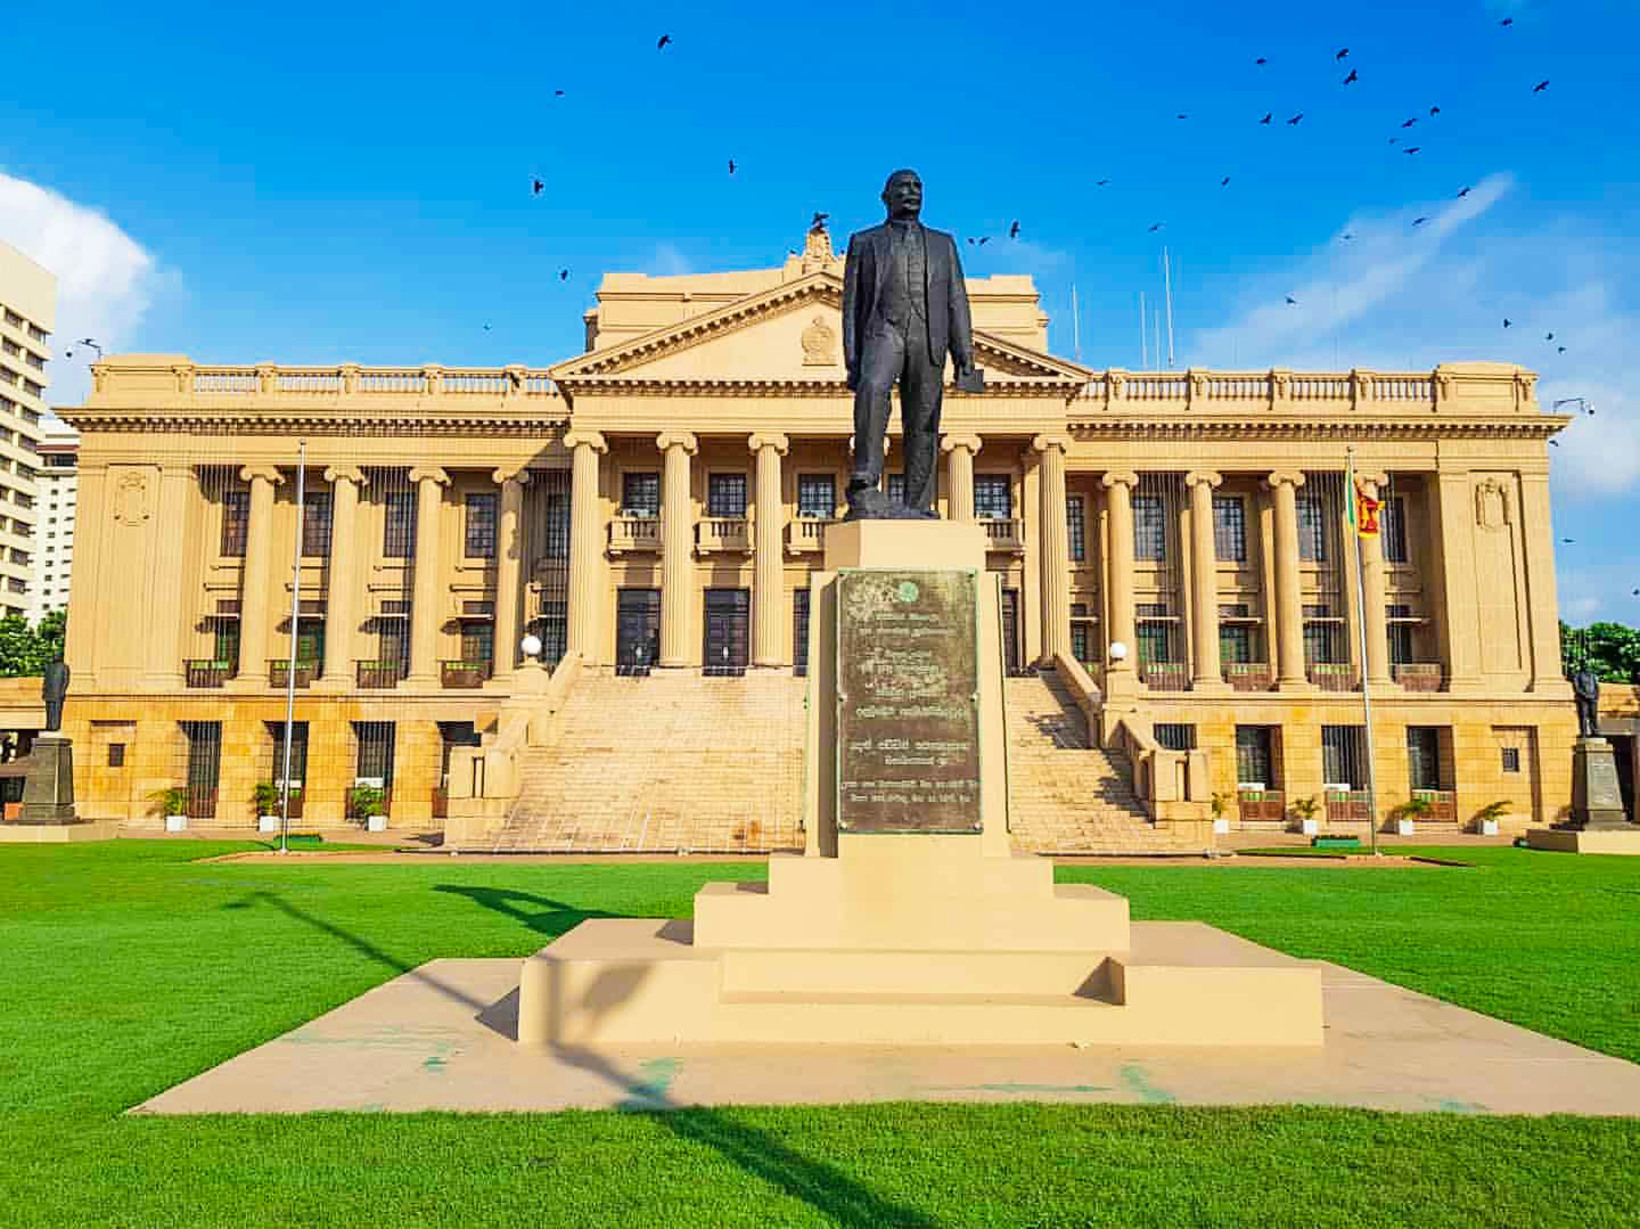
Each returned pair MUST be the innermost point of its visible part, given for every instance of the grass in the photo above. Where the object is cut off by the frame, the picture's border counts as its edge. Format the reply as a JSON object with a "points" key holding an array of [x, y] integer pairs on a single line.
{"points": [[126, 968]]}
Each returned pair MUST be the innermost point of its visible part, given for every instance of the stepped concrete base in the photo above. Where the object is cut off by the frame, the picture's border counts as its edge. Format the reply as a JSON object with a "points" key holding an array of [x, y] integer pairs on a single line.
{"points": [[1586, 840], [59, 834]]}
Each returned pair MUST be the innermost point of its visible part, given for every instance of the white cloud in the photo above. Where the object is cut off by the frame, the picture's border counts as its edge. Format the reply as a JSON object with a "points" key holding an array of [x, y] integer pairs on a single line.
{"points": [[669, 261], [106, 280]]}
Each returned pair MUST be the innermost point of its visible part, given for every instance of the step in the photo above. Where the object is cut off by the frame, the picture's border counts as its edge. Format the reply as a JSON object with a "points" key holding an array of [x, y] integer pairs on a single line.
{"points": [[749, 972]]}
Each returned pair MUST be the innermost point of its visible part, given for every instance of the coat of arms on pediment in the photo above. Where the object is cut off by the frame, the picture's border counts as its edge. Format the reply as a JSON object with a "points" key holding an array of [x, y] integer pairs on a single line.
{"points": [[819, 342]]}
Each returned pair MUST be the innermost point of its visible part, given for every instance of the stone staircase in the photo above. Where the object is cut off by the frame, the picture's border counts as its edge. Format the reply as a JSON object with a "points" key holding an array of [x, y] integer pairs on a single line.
{"points": [[666, 764], [1064, 794]]}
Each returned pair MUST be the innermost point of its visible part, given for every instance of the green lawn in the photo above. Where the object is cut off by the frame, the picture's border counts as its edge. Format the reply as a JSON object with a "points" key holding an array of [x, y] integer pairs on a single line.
{"points": [[126, 968]]}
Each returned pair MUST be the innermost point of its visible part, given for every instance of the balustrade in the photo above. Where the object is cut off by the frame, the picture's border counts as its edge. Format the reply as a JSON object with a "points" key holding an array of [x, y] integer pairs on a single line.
{"points": [[1249, 675], [1331, 676], [465, 674], [1005, 533], [379, 675], [207, 673], [349, 381], [1261, 806], [807, 535], [723, 533], [634, 533], [279, 672], [1418, 676]]}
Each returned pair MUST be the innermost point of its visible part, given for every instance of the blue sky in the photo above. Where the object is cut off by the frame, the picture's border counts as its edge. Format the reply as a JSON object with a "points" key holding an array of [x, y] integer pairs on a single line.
{"points": [[313, 183]]}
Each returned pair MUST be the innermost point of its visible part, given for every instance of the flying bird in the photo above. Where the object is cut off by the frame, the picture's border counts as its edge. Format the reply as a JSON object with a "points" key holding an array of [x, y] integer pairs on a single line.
{"points": [[1261, 61], [1395, 140], [1419, 221], [1540, 87], [1507, 21], [1412, 149], [1292, 301], [1562, 350], [1462, 192], [1181, 115], [1434, 110], [1554, 443], [1101, 183], [537, 187], [1636, 593], [661, 44], [1343, 52], [563, 275], [1410, 122], [1013, 231], [1569, 541], [486, 328], [1225, 182], [818, 221], [558, 93], [1268, 116], [1296, 118], [1507, 322], [1352, 78], [1347, 236], [1548, 337], [1154, 229], [984, 239], [731, 166]]}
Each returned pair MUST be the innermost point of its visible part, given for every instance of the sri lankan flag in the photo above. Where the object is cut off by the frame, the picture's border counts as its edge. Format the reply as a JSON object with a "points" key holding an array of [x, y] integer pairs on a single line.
{"points": [[1364, 509]]}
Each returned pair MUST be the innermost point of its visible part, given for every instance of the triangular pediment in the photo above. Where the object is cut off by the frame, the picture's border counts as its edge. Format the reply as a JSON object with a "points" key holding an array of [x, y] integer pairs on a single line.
{"points": [[791, 333]]}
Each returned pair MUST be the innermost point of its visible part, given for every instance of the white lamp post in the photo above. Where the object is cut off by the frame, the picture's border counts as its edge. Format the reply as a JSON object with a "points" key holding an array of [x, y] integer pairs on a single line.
{"points": [[1118, 651], [531, 645]]}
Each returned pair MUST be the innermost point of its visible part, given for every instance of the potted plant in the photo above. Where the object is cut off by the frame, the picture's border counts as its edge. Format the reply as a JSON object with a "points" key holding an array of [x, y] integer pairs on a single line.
{"points": [[1305, 809], [1220, 804], [1411, 811], [173, 804], [1486, 819], [368, 803], [266, 796]]}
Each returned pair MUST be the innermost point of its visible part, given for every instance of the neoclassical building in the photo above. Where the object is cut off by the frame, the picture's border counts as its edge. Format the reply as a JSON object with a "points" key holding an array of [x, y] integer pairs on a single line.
{"points": [[652, 510]]}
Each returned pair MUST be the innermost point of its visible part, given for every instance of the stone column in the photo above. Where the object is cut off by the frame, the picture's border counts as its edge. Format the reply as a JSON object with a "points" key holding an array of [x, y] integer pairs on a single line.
{"points": [[509, 566], [960, 451], [427, 608], [1119, 488], [256, 579], [1460, 616], [677, 545], [1537, 533], [168, 622], [586, 545], [768, 574], [1055, 556], [342, 582], [1374, 592], [1289, 603], [1208, 672]]}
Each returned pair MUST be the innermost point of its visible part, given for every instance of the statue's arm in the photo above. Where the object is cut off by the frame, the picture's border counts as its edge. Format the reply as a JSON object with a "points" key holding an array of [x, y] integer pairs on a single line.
{"points": [[962, 325], [851, 291]]}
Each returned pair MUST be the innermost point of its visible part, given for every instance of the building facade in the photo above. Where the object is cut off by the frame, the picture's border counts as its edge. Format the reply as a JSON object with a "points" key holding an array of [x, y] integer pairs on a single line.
{"points": [[658, 503], [28, 309], [56, 502]]}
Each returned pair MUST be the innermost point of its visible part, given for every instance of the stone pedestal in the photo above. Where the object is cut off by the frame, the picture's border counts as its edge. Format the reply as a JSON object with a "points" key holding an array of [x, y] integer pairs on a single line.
{"points": [[48, 791], [1598, 823], [909, 920]]}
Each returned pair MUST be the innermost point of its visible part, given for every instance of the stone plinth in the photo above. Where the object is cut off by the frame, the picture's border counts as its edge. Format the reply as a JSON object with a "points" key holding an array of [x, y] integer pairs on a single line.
{"points": [[1597, 799], [882, 935], [48, 791]]}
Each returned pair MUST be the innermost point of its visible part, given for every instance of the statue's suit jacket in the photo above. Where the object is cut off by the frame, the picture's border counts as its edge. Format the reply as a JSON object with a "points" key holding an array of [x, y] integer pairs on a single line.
{"points": [[870, 257]]}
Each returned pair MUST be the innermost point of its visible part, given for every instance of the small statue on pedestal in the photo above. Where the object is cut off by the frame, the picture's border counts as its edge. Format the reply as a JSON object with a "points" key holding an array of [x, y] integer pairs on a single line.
{"points": [[1586, 689]]}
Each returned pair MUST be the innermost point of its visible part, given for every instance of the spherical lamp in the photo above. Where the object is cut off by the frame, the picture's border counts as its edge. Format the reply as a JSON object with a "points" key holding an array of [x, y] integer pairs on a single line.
{"points": [[1118, 651], [531, 645]]}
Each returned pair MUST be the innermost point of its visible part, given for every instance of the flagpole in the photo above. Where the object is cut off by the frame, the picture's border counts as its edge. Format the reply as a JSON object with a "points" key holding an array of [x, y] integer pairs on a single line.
{"points": [[295, 617], [1361, 624]]}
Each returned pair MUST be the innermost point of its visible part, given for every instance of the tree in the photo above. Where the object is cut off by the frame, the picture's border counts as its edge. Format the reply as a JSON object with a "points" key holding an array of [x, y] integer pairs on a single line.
{"points": [[18, 647], [1611, 650], [49, 634]]}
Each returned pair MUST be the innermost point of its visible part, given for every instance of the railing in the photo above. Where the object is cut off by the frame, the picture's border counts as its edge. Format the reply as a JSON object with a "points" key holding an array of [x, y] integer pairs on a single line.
{"points": [[466, 674], [1249, 675], [201, 803], [207, 673], [296, 795], [117, 377], [1161, 777], [723, 533], [279, 672], [1165, 675], [1262, 806], [1004, 533], [1353, 807], [379, 675], [634, 533], [1443, 805], [1335, 676], [807, 535], [1400, 392], [1417, 676]]}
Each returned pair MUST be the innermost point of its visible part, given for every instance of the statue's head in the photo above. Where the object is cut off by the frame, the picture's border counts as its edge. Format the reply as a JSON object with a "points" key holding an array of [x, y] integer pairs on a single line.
{"points": [[902, 194]]}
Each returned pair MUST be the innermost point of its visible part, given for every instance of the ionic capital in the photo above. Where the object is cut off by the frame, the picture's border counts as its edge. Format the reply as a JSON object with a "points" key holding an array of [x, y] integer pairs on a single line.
{"points": [[268, 473], [507, 474], [972, 443], [1371, 484], [1285, 477], [586, 439], [346, 473], [1121, 477], [685, 440], [1203, 477], [768, 439], [430, 473], [1047, 441]]}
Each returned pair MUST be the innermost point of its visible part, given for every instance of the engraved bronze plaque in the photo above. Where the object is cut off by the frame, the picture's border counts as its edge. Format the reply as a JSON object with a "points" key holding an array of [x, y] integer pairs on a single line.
{"points": [[907, 701]]}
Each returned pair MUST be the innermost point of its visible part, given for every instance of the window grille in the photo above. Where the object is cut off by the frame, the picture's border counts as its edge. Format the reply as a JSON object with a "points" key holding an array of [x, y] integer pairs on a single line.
{"points": [[481, 529], [1312, 529], [316, 522], [640, 494], [1393, 527], [399, 532], [236, 521], [726, 495], [1149, 528], [1229, 528], [816, 496], [993, 497], [1076, 528]]}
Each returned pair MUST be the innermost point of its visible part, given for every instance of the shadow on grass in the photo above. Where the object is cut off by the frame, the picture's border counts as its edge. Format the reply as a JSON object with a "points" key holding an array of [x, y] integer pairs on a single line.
{"points": [[541, 914]]}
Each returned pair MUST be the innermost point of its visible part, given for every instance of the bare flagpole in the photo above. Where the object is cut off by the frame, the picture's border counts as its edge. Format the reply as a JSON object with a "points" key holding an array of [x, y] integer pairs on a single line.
{"points": [[1144, 345], [1076, 326], [290, 668], [1361, 623], [1167, 282]]}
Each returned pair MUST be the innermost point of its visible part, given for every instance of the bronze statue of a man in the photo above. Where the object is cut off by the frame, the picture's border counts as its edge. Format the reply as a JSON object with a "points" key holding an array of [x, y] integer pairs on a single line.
{"points": [[53, 690], [1586, 691], [905, 307]]}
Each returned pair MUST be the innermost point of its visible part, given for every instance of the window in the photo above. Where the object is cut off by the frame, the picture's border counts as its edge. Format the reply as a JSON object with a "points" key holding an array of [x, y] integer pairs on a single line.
{"points": [[1235, 643], [1423, 757], [1320, 636], [399, 530], [1342, 760], [116, 755], [1255, 758], [993, 497], [1511, 758], [226, 647], [13, 319], [1229, 529], [1083, 644], [1155, 641], [816, 496], [1076, 528], [726, 495], [298, 753], [640, 494], [393, 642], [1393, 528], [481, 534], [375, 762], [1149, 528], [1312, 529], [236, 522], [1175, 735], [1400, 640], [316, 523], [557, 526], [477, 641]]}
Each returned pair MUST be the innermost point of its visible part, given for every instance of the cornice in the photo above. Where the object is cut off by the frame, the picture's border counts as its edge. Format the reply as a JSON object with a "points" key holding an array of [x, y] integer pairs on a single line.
{"points": [[262, 422], [1355, 426]]}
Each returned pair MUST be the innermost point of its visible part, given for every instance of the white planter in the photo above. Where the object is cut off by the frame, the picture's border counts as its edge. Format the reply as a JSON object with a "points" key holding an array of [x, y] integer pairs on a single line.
{"points": [[1489, 827], [1309, 827], [1406, 827], [176, 823], [1220, 827], [376, 823], [267, 823]]}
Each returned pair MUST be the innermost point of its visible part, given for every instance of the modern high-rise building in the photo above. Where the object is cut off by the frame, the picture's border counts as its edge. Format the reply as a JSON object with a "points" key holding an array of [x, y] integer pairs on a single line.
{"points": [[28, 309], [58, 483]]}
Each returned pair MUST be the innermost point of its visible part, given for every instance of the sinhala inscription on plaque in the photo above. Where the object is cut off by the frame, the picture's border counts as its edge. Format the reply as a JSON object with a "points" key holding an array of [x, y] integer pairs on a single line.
{"points": [[907, 701]]}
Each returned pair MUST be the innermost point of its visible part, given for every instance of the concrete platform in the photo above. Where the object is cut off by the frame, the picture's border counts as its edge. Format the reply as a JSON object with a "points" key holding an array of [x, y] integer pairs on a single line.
{"points": [[1595, 840], [443, 1038], [58, 834]]}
